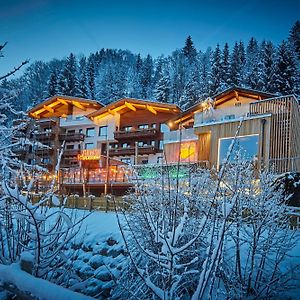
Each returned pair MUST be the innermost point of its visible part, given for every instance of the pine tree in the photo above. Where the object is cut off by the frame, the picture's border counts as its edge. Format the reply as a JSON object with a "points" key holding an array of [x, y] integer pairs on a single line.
{"points": [[190, 94], [269, 75], [294, 38], [82, 83], [216, 71], [68, 81], [52, 84], [146, 77], [163, 88], [189, 50], [225, 68], [91, 78], [251, 70], [235, 66], [286, 68]]}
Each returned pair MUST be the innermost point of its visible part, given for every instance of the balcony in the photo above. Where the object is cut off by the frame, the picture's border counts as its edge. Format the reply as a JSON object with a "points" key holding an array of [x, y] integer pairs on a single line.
{"points": [[46, 122], [71, 137], [221, 115], [40, 151], [45, 135], [75, 121], [20, 150], [131, 151], [71, 152], [137, 134], [182, 135]]}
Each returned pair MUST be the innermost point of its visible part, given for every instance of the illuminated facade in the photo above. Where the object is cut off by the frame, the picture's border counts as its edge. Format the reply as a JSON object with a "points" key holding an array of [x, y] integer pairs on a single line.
{"points": [[101, 142]]}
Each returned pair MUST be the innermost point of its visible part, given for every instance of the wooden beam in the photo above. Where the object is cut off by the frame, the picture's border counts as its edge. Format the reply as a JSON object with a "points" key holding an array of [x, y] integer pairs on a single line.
{"points": [[79, 105], [130, 106], [151, 109], [48, 109], [111, 112], [237, 95], [62, 101]]}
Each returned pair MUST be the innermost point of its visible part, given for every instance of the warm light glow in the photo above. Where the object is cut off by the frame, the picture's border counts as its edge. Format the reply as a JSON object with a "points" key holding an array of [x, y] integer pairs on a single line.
{"points": [[170, 124], [89, 154], [187, 150]]}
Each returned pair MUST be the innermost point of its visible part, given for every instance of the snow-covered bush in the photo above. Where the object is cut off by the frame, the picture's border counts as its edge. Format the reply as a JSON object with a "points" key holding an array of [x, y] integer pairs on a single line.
{"points": [[213, 235]]}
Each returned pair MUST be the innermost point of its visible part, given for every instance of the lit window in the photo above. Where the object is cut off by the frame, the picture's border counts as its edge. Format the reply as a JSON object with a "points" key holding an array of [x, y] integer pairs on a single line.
{"points": [[245, 147], [89, 146], [126, 160], [153, 125], [103, 131], [143, 126], [152, 143], [80, 130], [90, 132], [125, 145], [127, 128]]}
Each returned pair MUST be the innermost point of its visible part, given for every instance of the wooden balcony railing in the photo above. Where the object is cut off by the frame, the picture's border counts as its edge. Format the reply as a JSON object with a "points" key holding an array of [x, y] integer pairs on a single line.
{"points": [[131, 151], [44, 135], [71, 152], [137, 134], [71, 137]]}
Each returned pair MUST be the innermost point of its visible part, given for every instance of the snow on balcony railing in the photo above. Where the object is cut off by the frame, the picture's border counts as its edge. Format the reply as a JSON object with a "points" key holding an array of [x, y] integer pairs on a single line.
{"points": [[180, 135], [225, 114], [71, 120]]}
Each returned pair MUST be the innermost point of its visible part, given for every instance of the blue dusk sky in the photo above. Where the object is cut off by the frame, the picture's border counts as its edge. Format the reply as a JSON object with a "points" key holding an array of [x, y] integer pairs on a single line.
{"points": [[46, 29]]}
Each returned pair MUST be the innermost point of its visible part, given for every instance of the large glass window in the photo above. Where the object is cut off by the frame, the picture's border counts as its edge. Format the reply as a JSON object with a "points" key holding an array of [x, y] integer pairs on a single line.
{"points": [[246, 147], [90, 132], [103, 131], [89, 145]]}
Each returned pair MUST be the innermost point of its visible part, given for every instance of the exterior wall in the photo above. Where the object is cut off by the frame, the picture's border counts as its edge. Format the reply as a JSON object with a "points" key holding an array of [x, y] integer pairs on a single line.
{"points": [[209, 137]]}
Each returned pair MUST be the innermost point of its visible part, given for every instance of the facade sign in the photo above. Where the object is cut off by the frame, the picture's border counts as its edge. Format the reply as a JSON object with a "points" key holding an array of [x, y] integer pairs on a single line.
{"points": [[89, 154]]}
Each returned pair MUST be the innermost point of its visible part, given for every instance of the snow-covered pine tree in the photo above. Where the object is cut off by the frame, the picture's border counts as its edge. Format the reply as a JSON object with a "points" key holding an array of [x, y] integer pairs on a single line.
{"points": [[52, 84], [216, 71], [69, 77], [82, 82], [235, 66], [189, 49], [225, 68], [91, 77], [269, 74], [146, 77], [163, 87], [287, 70], [251, 64], [294, 38]]}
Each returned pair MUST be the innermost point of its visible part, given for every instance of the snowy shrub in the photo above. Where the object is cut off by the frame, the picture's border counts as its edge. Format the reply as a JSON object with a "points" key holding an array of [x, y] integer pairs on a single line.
{"points": [[213, 235]]}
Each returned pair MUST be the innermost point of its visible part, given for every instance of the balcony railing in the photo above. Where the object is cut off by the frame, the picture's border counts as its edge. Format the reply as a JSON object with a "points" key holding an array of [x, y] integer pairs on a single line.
{"points": [[180, 135], [71, 152], [219, 115], [44, 135], [135, 134], [43, 151], [71, 137], [131, 151], [46, 122]]}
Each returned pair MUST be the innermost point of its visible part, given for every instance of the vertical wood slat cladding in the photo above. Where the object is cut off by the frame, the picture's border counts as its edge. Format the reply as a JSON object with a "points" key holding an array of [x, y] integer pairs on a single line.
{"points": [[224, 130], [284, 134]]}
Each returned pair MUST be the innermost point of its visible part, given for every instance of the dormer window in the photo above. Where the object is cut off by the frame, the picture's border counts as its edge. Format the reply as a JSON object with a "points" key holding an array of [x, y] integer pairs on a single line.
{"points": [[143, 126]]}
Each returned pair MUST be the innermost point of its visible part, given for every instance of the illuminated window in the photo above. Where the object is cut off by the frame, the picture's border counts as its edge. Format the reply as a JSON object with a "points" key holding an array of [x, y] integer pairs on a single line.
{"points": [[90, 132], [103, 131], [153, 125], [89, 146], [153, 143], [245, 147], [126, 160], [143, 126], [142, 144], [80, 130], [127, 128], [125, 145]]}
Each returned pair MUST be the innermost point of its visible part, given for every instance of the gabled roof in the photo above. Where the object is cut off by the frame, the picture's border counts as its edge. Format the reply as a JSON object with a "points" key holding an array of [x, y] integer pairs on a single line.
{"points": [[221, 97], [129, 104], [58, 106], [237, 91]]}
